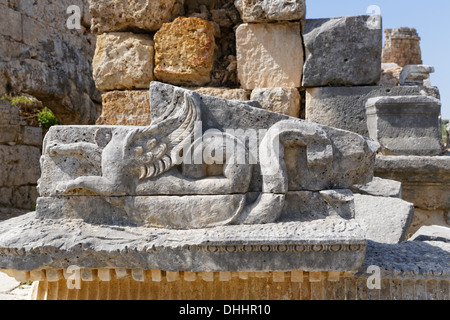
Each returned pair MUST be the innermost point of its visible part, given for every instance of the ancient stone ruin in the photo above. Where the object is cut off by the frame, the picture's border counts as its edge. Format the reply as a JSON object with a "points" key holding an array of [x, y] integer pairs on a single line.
{"points": [[243, 152]]}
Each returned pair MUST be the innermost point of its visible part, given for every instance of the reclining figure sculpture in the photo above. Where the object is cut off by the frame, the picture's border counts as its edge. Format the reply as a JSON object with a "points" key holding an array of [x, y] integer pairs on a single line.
{"points": [[178, 174]]}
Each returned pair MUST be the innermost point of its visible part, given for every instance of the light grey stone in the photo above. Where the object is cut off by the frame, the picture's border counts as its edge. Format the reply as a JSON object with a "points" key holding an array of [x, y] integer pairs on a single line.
{"points": [[310, 205], [380, 188], [177, 212], [343, 51], [416, 75], [286, 246], [271, 10], [425, 180], [344, 107], [15, 165], [385, 220], [432, 233], [405, 125]]}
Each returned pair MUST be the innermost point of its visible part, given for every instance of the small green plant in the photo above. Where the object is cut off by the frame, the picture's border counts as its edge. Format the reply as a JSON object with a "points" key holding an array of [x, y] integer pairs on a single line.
{"points": [[16, 101], [47, 119]]}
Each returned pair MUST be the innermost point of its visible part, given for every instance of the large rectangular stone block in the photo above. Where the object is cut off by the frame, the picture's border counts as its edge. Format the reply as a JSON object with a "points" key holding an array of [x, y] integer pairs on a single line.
{"points": [[342, 51], [271, 10], [269, 55], [117, 15], [405, 125], [123, 60], [344, 107], [184, 52]]}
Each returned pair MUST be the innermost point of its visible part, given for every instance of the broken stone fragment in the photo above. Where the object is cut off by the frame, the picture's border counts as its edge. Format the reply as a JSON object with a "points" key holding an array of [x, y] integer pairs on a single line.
{"points": [[342, 51], [271, 10], [123, 60], [117, 15], [416, 75], [384, 219], [380, 187], [184, 52], [269, 55]]}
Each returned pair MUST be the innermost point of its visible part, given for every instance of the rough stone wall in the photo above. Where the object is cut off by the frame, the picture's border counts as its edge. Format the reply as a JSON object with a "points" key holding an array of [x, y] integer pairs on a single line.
{"points": [[20, 151], [40, 56], [402, 46]]}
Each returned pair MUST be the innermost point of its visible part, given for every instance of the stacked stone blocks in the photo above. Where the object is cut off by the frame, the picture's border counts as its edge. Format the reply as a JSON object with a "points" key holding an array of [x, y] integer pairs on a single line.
{"points": [[20, 146]]}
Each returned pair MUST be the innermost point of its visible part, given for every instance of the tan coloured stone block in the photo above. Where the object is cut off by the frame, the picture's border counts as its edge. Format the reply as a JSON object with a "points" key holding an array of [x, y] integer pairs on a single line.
{"points": [[123, 60], [281, 100], [138, 275], [156, 275], [224, 93], [118, 15], [207, 276], [184, 52], [269, 55], [172, 276], [127, 108], [104, 274], [225, 276], [296, 276], [278, 277], [190, 276]]}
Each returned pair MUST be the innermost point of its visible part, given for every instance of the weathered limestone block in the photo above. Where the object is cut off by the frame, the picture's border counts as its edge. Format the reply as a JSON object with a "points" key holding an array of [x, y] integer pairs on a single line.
{"points": [[184, 52], [341, 52], [123, 60], [127, 108], [345, 107], [432, 233], [269, 55], [425, 180], [405, 125], [242, 248], [384, 219], [380, 188], [309, 205], [15, 165], [416, 75], [148, 15], [271, 10], [282, 100], [224, 93]]}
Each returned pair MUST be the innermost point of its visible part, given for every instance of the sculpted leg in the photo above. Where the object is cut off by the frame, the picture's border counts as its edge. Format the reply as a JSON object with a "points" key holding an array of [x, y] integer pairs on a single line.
{"points": [[99, 185]]}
